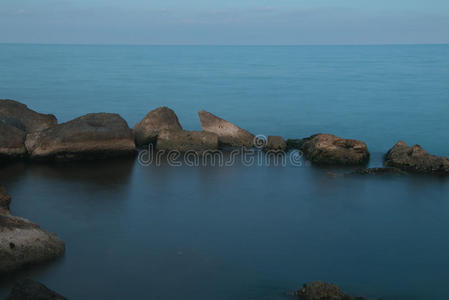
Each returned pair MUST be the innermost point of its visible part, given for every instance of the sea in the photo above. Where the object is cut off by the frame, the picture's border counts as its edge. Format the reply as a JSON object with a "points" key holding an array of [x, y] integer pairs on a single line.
{"points": [[241, 231]]}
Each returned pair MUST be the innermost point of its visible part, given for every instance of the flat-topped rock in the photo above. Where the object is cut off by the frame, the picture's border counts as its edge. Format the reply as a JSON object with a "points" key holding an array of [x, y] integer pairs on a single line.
{"points": [[275, 143], [20, 116], [92, 136], [182, 140], [415, 159], [23, 242], [322, 291], [12, 142], [147, 130], [328, 149], [28, 289], [228, 133]]}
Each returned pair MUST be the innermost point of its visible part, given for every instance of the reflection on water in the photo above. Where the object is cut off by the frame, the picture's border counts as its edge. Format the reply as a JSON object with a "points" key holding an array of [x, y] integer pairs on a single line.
{"points": [[234, 232]]}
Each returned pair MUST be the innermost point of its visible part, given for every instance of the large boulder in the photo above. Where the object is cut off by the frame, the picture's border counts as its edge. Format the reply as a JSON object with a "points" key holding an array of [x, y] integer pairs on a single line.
{"points": [[328, 149], [322, 291], [182, 140], [228, 133], [28, 289], [91, 136], [23, 243], [12, 142], [147, 130], [416, 159], [20, 116]]}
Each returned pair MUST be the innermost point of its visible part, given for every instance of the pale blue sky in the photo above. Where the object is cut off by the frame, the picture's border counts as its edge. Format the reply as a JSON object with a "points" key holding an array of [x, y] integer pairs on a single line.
{"points": [[225, 21]]}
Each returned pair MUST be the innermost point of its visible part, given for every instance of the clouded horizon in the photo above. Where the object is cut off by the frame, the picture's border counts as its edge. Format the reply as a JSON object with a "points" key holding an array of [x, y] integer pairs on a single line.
{"points": [[231, 22]]}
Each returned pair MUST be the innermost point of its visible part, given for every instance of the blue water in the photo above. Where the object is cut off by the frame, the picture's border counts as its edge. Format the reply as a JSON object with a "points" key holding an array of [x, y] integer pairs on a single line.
{"points": [[239, 232]]}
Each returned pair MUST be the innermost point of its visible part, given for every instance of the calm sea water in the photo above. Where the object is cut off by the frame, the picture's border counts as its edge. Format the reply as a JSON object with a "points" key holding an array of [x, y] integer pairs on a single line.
{"points": [[239, 232]]}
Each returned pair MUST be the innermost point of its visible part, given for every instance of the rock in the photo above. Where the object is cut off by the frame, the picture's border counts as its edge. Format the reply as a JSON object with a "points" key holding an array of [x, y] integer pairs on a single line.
{"points": [[20, 116], [378, 171], [147, 130], [329, 149], [228, 133], [5, 200], [12, 142], [294, 144], [28, 289], [275, 143], [91, 136], [322, 291], [23, 243], [182, 140], [415, 159]]}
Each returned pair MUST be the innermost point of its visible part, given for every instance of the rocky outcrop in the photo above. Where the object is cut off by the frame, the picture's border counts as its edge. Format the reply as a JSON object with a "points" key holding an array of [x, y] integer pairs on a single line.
{"points": [[228, 133], [275, 143], [20, 116], [182, 140], [12, 142], [22, 242], [328, 149], [28, 289], [415, 159], [147, 130], [322, 291], [92, 136]]}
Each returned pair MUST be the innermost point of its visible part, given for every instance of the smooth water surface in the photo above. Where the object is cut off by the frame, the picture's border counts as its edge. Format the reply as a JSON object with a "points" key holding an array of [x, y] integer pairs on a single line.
{"points": [[161, 232]]}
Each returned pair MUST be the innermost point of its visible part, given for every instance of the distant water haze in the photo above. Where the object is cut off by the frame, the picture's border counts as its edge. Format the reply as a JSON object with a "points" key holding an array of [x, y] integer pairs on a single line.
{"points": [[238, 232]]}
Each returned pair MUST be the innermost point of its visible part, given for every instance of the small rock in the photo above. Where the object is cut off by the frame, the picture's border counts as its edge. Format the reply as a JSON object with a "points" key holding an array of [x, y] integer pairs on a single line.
{"points": [[378, 171], [182, 140], [31, 290], [322, 291], [328, 149], [275, 143], [294, 144], [228, 133], [147, 130], [415, 159], [5, 200], [92, 136]]}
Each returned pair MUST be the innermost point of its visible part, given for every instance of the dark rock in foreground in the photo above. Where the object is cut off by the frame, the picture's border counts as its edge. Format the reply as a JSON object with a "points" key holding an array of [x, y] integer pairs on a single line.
{"points": [[31, 290], [92, 136], [294, 144], [379, 171], [147, 130], [415, 159], [228, 133], [12, 142], [22, 242], [182, 140], [275, 143], [322, 291], [328, 149], [20, 116]]}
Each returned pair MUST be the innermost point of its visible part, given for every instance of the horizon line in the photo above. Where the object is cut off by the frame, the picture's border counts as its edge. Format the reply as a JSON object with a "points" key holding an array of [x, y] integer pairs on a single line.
{"points": [[223, 45]]}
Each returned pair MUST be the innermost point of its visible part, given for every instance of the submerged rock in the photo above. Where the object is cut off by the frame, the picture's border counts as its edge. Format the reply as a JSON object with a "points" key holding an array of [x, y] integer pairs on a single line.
{"points": [[322, 291], [328, 149], [228, 133], [182, 140], [12, 142], [22, 242], [28, 289], [20, 116], [147, 130], [379, 171], [275, 143], [415, 159], [91, 136]]}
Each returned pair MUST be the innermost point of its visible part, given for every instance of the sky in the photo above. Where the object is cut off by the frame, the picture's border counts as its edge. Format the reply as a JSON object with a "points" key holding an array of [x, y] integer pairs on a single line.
{"points": [[224, 22]]}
